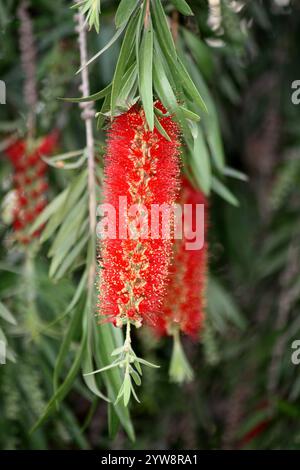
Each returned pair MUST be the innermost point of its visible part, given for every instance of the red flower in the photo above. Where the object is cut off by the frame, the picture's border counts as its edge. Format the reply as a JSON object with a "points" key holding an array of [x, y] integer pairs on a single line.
{"points": [[40, 206], [30, 182], [33, 159], [22, 199], [48, 143], [184, 303], [143, 166], [16, 151], [17, 225]]}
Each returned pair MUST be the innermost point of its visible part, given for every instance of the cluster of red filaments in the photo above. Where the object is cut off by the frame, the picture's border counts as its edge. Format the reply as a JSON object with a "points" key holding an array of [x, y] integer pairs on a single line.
{"points": [[184, 303], [142, 166], [30, 184]]}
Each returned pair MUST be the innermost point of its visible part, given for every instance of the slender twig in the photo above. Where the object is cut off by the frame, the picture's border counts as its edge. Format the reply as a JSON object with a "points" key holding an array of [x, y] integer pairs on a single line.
{"points": [[88, 114], [28, 60], [147, 14], [175, 25]]}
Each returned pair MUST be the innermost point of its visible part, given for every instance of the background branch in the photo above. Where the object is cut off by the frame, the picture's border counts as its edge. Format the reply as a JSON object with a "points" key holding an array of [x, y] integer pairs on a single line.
{"points": [[28, 61], [87, 115]]}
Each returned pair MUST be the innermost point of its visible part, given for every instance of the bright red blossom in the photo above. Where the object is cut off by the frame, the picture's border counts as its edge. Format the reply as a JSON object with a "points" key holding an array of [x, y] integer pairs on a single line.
{"points": [[143, 166], [185, 300]]}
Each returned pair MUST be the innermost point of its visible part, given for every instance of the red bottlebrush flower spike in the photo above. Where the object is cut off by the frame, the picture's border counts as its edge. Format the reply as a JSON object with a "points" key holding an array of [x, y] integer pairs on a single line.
{"points": [[142, 166], [30, 183], [184, 303], [183, 308]]}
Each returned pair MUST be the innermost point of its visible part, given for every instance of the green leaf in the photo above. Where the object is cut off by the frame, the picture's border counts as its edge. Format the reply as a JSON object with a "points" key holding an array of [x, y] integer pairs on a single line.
{"points": [[96, 96], [189, 86], [124, 11], [128, 86], [134, 393], [210, 119], [122, 63], [166, 94], [200, 52], [138, 368], [64, 350], [78, 292], [6, 315], [107, 338], [145, 74], [163, 87], [180, 370], [224, 192], [113, 421], [139, 31], [135, 377], [58, 163], [168, 47], [160, 128], [105, 368], [107, 46], [90, 380], [70, 258], [117, 351], [50, 209], [64, 156], [73, 193], [221, 303], [127, 389], [227, 171], [201, 162], [73, 227], [63, 389], [162, 28], [146, 363], [189, 114], [182, 7], [75, 196], [92, 10]]}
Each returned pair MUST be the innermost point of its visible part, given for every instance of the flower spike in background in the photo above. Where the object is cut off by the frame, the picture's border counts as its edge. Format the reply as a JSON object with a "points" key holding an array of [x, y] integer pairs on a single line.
{"points": [[30, 184], [183, 309]]}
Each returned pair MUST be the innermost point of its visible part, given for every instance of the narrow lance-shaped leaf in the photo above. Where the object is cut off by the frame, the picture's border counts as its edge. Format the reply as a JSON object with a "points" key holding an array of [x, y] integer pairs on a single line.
{"points": [[125, 53], [168, 48], [5, 313], [224, 192], [124, 11], [201, 162], [145, 74], [94, 97], [182, 7], [108, 45]]}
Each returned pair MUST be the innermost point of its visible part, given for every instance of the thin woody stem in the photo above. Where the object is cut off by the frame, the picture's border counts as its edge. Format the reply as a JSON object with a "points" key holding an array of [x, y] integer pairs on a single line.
{"points": [[88, 114], [127, 344], [28, 60], [147, 14], [175, 25]]}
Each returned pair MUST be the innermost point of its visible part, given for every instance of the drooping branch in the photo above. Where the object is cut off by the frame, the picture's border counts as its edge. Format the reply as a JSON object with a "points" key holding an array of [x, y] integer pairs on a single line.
{"points": [[28, 61], [87, 115]]}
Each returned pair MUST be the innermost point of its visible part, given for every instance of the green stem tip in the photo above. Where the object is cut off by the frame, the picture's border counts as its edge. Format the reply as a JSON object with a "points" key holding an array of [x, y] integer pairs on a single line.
{"points": [[180, 370]]}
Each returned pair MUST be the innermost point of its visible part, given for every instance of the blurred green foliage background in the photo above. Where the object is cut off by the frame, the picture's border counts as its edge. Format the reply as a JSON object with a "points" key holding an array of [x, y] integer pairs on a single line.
{"points": [[246, 390]]}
